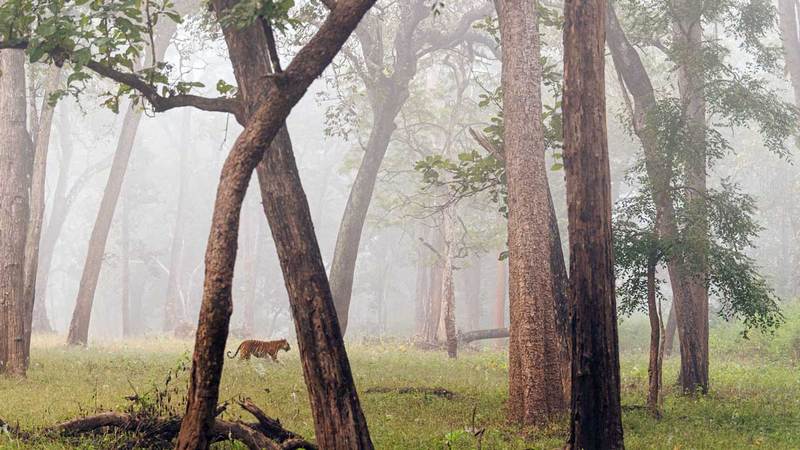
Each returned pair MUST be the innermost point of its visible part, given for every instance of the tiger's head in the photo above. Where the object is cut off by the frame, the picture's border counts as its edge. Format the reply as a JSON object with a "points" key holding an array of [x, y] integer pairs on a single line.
{"points": [[284, 345]]}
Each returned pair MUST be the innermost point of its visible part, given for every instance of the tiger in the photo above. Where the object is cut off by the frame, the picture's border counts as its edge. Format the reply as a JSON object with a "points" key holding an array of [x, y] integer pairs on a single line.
{"points": [[260, 349]]}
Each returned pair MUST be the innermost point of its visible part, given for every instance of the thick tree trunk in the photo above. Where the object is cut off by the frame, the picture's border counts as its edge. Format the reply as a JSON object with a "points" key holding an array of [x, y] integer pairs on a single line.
{"points": [[693, 313], [338, 419], [16, 168], [41, 145], [535, 381], [81, 316], [596, 416], [173, 306]]}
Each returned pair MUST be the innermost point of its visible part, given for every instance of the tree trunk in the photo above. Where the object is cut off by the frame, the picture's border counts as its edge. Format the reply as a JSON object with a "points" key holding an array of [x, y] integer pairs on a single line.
{"points": [[448, 288], [434, 297], [422, 283], [16, 168], [81, 316], [41, 145], [61, 202], [338, 418], [656, 352], [596, 416], [660, 173], [535, 383], [693, 314], [472, 293], [125, 267], [669, 336], [173, 307]]}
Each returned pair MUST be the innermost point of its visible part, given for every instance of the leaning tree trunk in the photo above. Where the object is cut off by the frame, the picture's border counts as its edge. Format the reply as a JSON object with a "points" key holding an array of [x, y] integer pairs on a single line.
{"points": [[41, 145], [81, 316], [16, 168], [692, 312], [596, 416], [535, 379], [338, 418]]}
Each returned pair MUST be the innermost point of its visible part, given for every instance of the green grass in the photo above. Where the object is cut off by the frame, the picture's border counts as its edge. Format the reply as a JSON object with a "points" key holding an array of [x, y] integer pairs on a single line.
{"points": [[754, 400]]}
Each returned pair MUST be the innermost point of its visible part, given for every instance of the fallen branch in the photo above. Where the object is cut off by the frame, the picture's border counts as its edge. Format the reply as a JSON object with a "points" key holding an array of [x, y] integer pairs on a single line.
{"points": [[273, 429], [479, 335], [435, 391]]}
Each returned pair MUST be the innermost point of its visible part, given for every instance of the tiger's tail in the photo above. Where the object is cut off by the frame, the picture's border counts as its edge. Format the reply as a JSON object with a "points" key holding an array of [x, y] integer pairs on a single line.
{"points": [[235, 353]]}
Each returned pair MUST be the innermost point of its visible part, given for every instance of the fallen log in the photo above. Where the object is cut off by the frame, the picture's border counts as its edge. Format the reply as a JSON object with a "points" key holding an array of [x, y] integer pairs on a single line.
{"points": [[273, 429], [435, 391], [479, 335]]}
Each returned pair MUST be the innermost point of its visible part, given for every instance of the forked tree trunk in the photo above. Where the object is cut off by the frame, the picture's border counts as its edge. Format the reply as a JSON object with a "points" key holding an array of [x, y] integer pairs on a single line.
{"points": [[41, 145], [16, 168], [534, 369], [173, 306], [596, 416], [81, 316], [338, 418], [692, 312]]}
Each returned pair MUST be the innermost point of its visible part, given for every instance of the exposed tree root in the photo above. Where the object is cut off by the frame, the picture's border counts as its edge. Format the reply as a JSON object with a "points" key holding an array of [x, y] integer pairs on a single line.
{"points": [[436, 391], [158, 432]]}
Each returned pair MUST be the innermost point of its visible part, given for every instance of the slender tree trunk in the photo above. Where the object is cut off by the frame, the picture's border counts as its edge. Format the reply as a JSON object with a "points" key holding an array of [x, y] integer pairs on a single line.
{"points": [[787, 14], [448, 288], [434, 309], [16, 168], [596, 417], [693, 322], [125, 284], [41, 145], [61, 202], [81, 316], [422, 283], [669, 335], [173, 307], [472, 293], [535, 381], [500, 297], [656, 352], [338, 418]]}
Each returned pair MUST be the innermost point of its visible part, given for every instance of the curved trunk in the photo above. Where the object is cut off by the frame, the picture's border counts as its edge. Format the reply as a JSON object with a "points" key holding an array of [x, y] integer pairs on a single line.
{"points": [[535, 378], [16, 168], [348, 240], [596, 415]]}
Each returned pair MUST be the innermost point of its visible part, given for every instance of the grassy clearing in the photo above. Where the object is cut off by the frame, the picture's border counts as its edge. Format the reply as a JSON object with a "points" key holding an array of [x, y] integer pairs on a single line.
{"points": [[755, 398]]}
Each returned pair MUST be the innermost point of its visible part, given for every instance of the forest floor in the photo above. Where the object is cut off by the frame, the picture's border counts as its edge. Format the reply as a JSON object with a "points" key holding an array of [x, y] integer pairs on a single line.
{"points": [[754, 399]]}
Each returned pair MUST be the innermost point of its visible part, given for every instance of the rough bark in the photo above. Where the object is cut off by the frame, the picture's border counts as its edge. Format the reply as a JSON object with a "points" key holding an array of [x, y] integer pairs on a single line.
{"points": [[41, 146], [338, 419], [16, 168], [687, 34], [535, 383], [81, 316], [387, 96], [660, 173], [173, 305], [596, 416]]}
